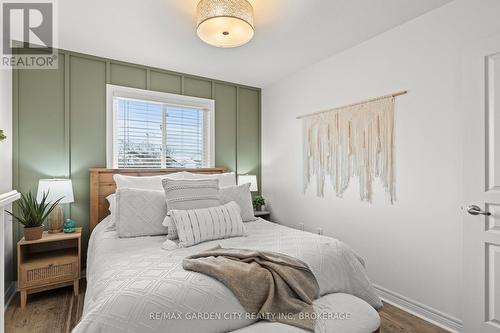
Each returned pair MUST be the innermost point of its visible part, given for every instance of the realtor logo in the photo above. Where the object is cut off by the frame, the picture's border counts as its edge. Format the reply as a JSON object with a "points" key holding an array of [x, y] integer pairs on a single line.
{"points": [[28, 35]]}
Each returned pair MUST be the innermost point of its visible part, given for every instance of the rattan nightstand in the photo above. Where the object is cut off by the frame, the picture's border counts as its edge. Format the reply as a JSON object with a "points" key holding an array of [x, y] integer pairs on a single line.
{"points": [[48, 263]]}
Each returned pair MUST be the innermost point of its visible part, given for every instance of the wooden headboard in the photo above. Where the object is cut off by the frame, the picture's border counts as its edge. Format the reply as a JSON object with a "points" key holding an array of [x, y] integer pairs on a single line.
{"points": [[102, 184]]}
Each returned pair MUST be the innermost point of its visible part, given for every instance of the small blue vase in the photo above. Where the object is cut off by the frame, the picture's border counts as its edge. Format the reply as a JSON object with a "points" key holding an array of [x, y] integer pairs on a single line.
{"points": [[69, 226]]}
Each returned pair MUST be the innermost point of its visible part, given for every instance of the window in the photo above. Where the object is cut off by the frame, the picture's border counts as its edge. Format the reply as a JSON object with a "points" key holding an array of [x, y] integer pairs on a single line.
{"points": [[158, 130]]}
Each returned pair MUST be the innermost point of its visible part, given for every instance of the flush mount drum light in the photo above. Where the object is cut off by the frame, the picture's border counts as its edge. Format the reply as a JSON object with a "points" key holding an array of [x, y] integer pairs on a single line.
{"points": [[225, 23]]}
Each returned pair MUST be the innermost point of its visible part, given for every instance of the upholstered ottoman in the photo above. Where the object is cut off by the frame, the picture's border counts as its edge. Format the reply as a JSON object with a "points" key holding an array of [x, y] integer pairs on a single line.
{"points": [[339, 313]]}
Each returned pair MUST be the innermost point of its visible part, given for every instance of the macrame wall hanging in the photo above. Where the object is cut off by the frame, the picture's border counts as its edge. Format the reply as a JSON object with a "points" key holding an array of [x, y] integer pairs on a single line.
{"points": [[355, 140]]}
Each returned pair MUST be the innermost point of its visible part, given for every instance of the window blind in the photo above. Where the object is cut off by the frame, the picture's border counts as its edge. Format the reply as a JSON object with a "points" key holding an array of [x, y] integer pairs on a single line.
{"points": [[157, 135]]}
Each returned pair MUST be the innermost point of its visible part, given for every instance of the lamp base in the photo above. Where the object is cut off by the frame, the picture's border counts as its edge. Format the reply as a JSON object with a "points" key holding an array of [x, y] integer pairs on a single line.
{"points": [[56, 220]]}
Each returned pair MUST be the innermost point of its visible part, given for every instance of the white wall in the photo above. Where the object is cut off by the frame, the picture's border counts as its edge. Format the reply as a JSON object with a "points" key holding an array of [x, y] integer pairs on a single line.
{"points": [[413, 247], [6, 162]]}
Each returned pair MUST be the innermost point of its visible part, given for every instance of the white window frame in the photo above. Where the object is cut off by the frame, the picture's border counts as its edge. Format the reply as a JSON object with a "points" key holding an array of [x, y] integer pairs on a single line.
{"points": [[113, 91]]}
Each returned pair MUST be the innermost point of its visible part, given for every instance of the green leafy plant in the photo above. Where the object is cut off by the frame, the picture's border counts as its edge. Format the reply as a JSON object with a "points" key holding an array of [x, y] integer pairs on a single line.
{"points": [[2, 136], [258, 201], [33, 213]]}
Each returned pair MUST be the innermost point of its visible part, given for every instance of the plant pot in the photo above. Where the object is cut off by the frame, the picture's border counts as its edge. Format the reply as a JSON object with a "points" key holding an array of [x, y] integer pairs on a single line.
{"points": [[258, 208], [31, 234]]}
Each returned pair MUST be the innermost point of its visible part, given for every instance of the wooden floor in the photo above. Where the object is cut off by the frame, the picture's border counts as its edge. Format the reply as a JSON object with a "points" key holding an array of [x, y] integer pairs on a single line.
{"points": [[396, 320], [58, 311]]}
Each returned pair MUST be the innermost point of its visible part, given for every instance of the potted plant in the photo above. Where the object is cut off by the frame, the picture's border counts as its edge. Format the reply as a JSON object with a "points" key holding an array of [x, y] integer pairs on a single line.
{"points": [[32, 214], [258, 202], [2, 136]]}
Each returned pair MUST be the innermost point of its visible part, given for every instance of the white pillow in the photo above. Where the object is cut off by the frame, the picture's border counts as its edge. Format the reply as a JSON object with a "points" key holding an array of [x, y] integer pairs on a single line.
{"points": [[140, 212], [200, 225], [189, 194], [112, 209], [242, 196], [144, 182], [225, 179]]}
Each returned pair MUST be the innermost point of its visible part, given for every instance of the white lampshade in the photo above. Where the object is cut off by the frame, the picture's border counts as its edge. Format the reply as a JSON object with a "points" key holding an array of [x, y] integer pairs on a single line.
{"points": [[252, 179], [225, 23], [57, 188]]}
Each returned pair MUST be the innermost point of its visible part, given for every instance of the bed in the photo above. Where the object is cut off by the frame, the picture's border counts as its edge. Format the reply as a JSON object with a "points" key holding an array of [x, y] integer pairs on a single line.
{"points": [[133, 285]]}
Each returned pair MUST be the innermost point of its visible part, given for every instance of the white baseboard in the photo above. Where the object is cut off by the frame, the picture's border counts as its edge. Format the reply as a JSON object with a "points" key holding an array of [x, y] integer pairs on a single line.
{"points": [[9, 293], [420, 310]]}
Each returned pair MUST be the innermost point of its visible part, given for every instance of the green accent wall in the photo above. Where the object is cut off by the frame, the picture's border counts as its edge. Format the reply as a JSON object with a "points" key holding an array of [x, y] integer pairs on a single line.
{"points": [[60, 121]]}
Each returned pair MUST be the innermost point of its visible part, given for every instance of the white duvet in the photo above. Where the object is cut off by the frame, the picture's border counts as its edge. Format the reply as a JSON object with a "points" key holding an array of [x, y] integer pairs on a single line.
{"points": [[135, 286]]}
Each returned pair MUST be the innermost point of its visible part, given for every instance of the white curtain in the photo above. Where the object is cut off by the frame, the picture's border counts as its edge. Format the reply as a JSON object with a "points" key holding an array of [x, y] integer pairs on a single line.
{"points": [[353, 141]]}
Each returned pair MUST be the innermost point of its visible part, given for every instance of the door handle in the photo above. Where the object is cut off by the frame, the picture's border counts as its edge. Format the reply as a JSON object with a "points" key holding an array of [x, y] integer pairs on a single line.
{"points": [[476, 210]]}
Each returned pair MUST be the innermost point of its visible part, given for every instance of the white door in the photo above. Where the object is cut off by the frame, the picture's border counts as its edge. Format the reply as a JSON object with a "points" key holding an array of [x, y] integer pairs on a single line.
{"points": [[481, 102]]}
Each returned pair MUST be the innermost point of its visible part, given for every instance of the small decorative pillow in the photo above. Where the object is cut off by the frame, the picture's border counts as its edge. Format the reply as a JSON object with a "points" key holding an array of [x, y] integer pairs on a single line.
{"points": [[189, 194], [242, 196], [200, 225], [140, 212]]}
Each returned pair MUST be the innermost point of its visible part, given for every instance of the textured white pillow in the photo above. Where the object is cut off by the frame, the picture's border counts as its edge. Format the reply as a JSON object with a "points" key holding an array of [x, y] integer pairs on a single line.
{"points": [[189, 194], [200, 225], [140, 212], [144, 182], [242, 196], [225, 179]]}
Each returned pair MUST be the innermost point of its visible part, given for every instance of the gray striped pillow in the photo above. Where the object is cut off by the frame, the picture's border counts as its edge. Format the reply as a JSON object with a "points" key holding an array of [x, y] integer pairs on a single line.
{"points": [[200, 225], [189, 194]]}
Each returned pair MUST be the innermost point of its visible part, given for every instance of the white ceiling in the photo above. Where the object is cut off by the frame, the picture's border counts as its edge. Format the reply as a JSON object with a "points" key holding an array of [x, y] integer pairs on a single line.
{"points": [[290, 34]]}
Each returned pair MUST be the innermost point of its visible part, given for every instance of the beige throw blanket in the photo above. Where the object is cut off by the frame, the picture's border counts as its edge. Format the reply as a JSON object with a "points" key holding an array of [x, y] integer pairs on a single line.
{"points": [[273, 286]]}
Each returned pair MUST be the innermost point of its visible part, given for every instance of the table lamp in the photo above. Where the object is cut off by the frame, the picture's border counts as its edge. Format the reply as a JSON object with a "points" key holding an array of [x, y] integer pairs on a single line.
{"points": [[56, 189], [252, 179]]}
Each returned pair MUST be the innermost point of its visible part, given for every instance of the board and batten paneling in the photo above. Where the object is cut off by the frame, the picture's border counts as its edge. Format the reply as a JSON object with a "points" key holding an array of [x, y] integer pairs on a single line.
{"points": [[197, 88], [165, 82], [60, 121], [248, 138], [225, 97], [38, 101], [87, 91], [128, 76]]}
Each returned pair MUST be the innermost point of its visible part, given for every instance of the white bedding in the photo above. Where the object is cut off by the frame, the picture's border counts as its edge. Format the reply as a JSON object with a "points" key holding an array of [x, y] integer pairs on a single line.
{"points": [[135, 286]]}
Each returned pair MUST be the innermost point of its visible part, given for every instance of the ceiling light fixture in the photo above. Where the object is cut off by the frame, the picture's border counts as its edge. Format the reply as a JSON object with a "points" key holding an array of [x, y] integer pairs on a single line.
{"points": [[225, 23]]}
